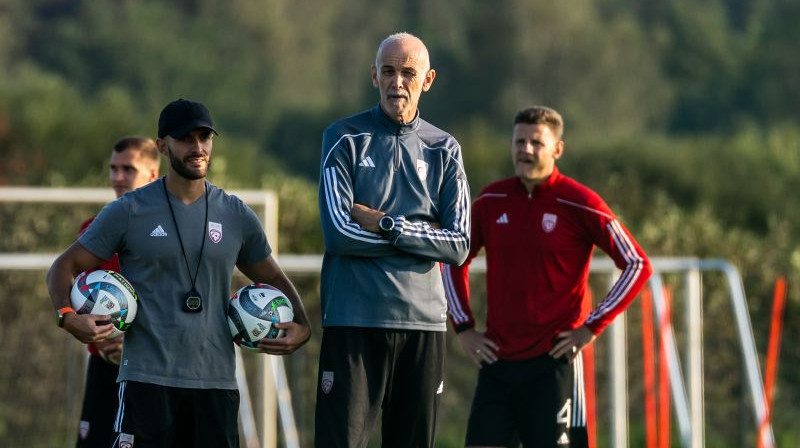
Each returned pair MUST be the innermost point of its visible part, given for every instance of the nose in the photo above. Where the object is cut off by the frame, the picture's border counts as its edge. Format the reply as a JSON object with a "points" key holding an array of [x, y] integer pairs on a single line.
{"points": [[194, 141], [528, 148], [397, 80]]}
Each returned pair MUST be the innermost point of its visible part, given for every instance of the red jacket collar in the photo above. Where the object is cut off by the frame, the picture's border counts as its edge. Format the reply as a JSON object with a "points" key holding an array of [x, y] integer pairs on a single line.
{"points": [[549, 182]]}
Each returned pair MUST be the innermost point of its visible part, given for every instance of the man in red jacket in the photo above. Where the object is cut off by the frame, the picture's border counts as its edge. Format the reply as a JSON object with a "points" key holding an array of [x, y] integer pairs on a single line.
{"points": [[134, 163], [538, 229]]}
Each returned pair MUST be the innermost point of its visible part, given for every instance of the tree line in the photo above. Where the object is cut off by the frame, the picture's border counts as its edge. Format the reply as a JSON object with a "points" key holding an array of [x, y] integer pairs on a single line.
{"points": [[682, 114]]}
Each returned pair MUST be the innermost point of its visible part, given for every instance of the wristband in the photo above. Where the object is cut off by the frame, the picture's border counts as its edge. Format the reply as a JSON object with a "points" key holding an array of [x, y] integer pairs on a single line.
{"points": [[61, 313]]}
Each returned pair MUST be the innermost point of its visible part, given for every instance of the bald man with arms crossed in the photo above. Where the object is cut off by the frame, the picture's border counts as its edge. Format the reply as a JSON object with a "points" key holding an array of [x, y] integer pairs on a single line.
{"points": [[394, 201]]}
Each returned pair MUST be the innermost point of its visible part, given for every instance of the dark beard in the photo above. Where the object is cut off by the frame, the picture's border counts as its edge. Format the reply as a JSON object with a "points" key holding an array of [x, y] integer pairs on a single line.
{"points": [[179, 167]]}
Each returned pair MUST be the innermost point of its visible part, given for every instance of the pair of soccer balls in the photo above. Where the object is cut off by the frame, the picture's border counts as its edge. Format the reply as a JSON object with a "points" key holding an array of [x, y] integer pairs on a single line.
{"points": [[251, 311]]}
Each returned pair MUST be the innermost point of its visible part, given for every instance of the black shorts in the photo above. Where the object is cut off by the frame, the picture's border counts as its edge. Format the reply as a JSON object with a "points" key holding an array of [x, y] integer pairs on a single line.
{"points": [[364, 372], [539, 402], [153, 416], [99, 404]]}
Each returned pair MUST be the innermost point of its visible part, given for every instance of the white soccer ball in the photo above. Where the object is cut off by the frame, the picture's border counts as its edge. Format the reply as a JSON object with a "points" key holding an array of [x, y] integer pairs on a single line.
{"points": [[252, 311], [107, 293]]}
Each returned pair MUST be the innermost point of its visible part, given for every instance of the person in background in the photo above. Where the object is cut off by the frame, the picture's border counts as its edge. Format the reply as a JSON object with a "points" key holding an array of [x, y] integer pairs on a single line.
{"points": [[393, 201], [134, 163], [538, 229], [178, 240]]}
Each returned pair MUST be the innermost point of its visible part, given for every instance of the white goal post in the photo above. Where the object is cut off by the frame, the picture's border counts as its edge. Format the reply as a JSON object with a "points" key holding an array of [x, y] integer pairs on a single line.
{"points": [[689, 403]]}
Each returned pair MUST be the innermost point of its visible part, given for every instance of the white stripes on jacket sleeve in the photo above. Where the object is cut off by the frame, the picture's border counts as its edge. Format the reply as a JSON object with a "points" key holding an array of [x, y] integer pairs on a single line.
{"points": [[340, 216], [338, 213], [460, 222], [454, 307], [631, 273]]}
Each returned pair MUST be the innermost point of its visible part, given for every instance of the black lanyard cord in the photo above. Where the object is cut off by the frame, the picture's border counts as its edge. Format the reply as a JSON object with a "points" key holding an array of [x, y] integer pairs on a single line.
{"points": [[180, 240]]}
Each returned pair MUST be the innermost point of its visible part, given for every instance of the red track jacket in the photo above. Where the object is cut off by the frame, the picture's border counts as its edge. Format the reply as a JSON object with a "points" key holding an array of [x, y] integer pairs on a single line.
{"points": [[538, 251]]}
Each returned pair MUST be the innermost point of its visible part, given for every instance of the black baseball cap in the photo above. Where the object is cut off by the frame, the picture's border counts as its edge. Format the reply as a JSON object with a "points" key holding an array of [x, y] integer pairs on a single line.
{"points": [[181, 117]]}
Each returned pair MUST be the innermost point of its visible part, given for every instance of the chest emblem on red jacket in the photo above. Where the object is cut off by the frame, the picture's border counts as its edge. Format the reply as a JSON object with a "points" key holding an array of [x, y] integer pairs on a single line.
{"points": [[503, 219], [549, 222]]}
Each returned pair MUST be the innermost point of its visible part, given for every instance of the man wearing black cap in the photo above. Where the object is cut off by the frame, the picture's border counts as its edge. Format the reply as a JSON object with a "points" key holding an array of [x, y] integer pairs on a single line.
{"points": [[178, 240]]}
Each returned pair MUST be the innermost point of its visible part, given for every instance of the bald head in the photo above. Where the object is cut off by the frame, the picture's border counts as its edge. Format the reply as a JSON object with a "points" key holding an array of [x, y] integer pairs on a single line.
{"points": [[401, 73], [413, 44]]}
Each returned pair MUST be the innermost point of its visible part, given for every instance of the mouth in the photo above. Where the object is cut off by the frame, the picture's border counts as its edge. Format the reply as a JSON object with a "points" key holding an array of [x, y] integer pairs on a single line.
{"points": [[396, 96], [196, 159]]}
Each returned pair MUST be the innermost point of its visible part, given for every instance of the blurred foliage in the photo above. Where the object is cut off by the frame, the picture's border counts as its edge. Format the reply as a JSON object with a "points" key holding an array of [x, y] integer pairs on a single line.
{"points": [[682, 114], [40, 366]]}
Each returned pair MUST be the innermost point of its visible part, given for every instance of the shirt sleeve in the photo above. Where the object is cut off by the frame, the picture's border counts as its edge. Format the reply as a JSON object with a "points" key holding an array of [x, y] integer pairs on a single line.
{"points": [[456, 279], [255, 246], [105, 235], [111, 264], [342, 235], [615, 240], [450, 242]]}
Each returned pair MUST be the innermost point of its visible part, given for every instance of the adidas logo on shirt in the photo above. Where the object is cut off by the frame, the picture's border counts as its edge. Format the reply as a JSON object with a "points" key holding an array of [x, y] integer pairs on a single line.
{"points": [[563, 440], [158, 231], [367, 163], [503, 219]]}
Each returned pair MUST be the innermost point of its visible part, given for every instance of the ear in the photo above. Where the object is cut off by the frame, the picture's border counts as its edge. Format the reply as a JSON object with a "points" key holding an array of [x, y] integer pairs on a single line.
{"points": [[374, 71], [153, 174], [162, 146], [430, 75], [559, 150]]}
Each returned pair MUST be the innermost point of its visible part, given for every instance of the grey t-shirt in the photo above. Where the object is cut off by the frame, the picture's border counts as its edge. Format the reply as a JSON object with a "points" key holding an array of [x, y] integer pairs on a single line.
{"points": [[166, 345]]}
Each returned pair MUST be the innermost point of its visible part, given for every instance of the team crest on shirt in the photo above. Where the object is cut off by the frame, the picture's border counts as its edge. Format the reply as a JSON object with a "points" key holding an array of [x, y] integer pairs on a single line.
{"points": [[327, 381], [215, 231], [83, 430], [422, 169], [125, 440], [549, 222]]}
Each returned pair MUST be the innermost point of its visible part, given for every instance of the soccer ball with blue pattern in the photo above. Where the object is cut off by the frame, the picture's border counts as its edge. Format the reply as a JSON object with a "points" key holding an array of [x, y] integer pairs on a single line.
{"points": [[107, 293]]}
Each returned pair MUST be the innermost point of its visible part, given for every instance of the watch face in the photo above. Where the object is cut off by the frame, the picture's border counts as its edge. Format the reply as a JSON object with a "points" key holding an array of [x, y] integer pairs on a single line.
{"points": [[386, 223]]}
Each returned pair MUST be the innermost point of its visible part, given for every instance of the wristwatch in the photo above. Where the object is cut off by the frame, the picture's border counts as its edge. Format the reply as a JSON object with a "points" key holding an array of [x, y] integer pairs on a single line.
{"points": [[386, 225], [61, 313]]}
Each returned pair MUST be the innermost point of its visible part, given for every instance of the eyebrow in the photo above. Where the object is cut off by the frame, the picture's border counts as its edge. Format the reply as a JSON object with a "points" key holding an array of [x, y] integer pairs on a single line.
{"points": [[525, 139]]}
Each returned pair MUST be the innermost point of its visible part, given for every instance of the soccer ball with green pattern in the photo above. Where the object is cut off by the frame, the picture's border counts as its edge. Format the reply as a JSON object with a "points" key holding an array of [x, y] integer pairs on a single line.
{"points": [[252, 311]]}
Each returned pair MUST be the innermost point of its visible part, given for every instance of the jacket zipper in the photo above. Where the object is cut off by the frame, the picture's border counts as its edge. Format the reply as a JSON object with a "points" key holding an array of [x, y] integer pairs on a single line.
{"points": [[397, 149]]}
